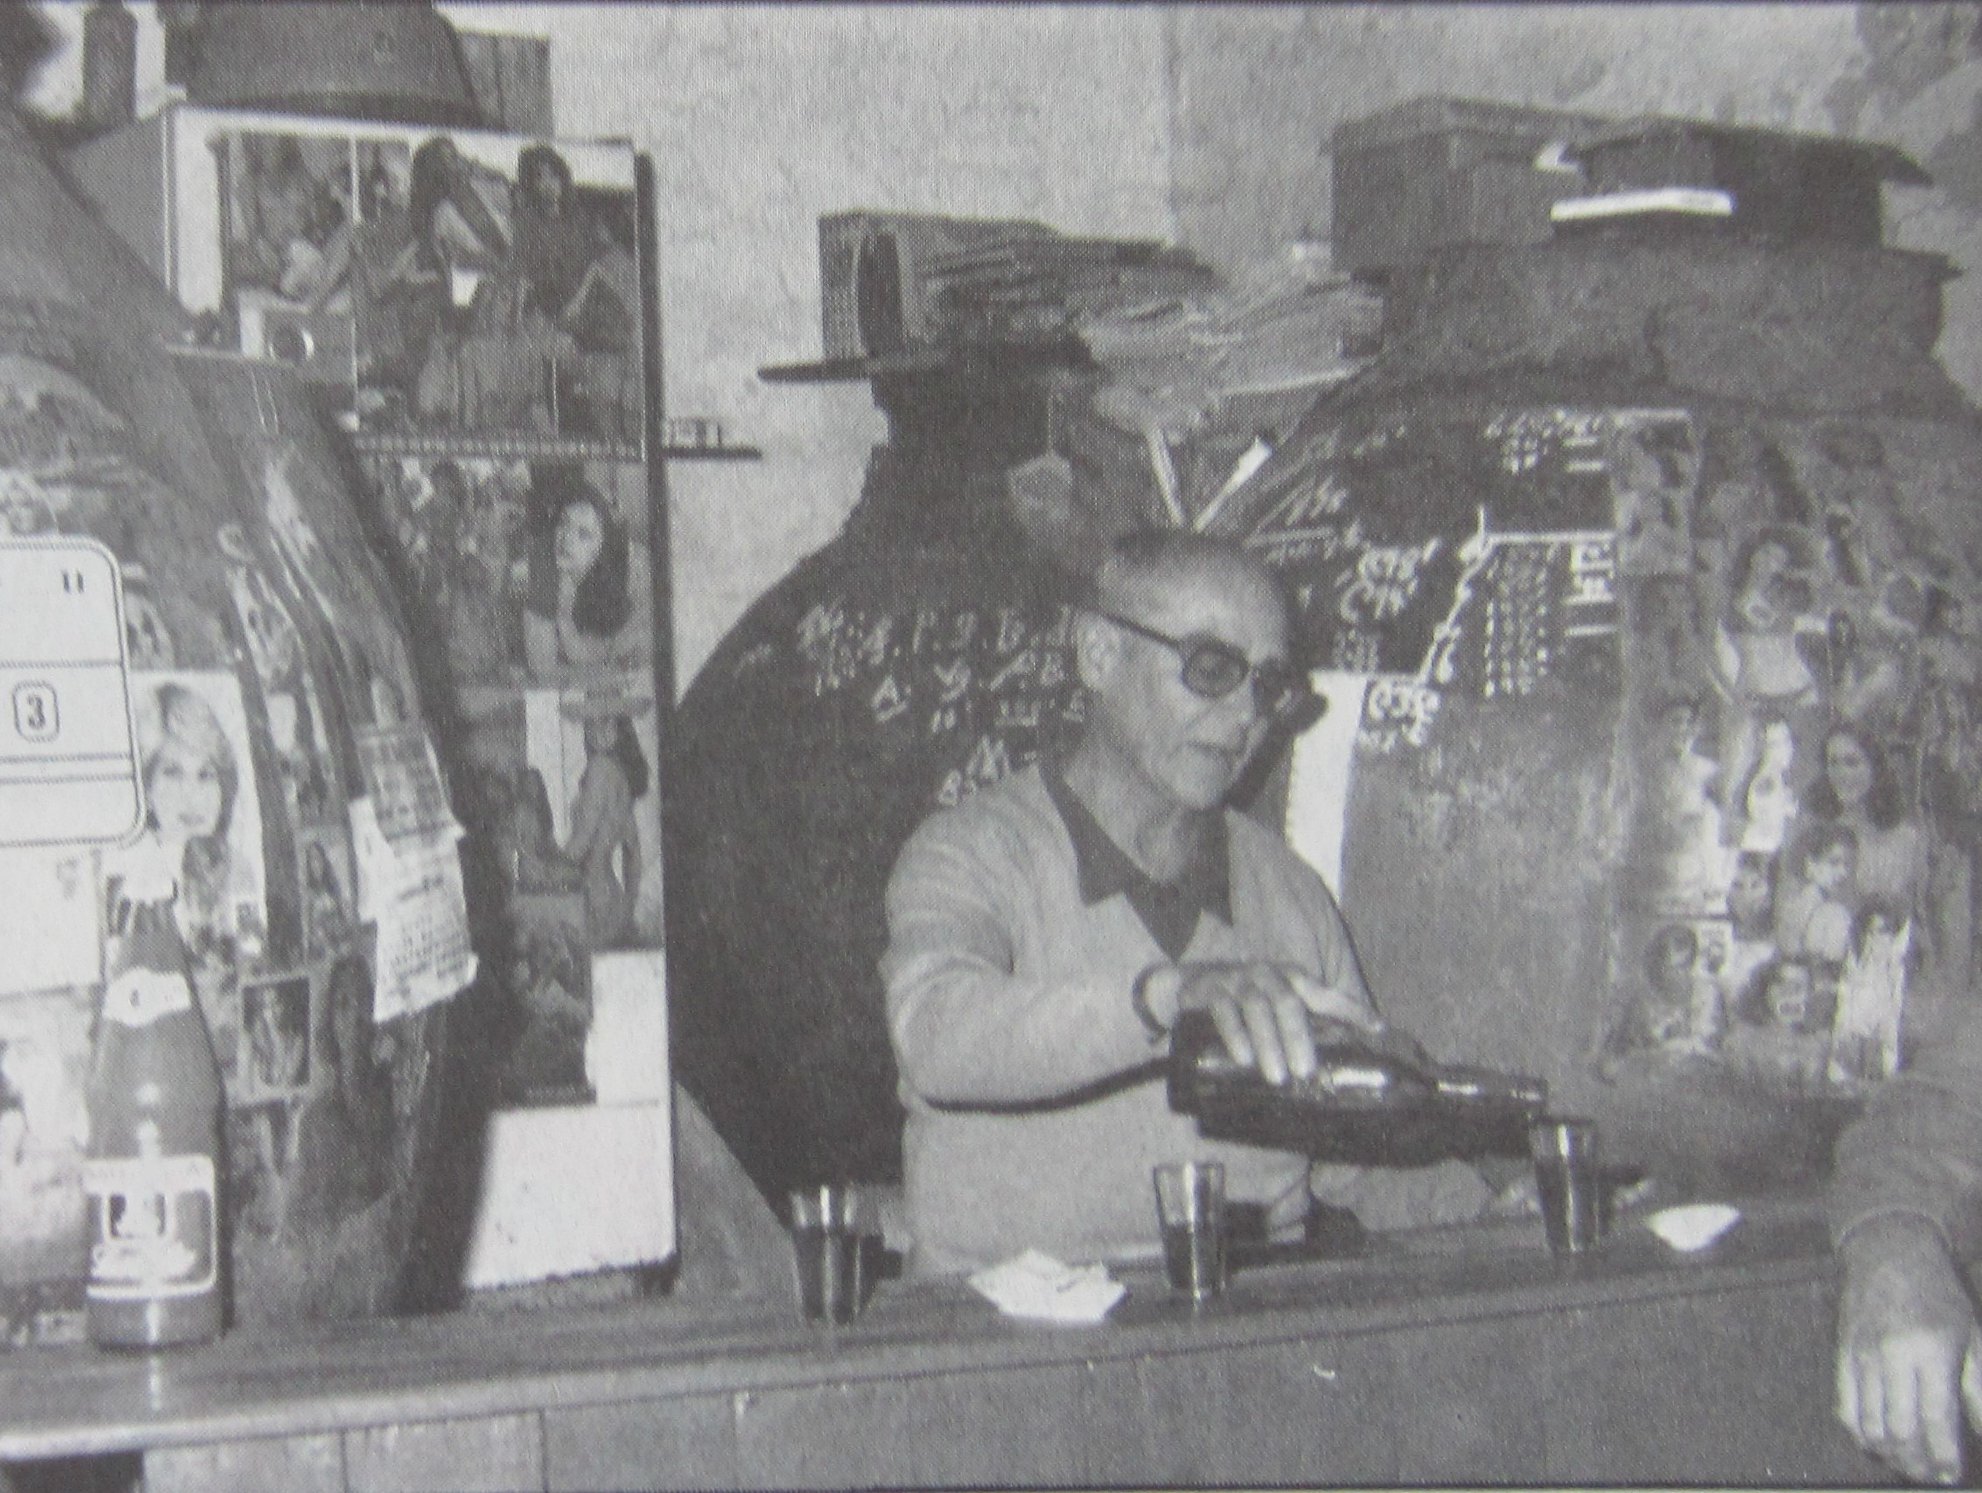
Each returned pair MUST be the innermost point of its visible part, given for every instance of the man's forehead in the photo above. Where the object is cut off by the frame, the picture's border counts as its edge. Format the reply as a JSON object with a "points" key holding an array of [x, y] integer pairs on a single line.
{"points": [[1201, 591]]}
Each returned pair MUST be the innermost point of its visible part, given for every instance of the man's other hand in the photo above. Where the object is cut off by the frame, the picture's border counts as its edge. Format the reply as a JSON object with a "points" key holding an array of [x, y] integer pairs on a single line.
{"points": [[1909, 1354], [1262, 1011]]}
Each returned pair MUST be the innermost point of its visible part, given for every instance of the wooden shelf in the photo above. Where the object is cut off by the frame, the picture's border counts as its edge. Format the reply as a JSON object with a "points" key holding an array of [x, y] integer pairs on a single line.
{"points": [[708, 453]]}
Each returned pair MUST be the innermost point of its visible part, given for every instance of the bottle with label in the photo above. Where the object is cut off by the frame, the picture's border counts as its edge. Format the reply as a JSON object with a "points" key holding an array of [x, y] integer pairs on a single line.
{"points": [[1369, 1100], [154, 1165]]}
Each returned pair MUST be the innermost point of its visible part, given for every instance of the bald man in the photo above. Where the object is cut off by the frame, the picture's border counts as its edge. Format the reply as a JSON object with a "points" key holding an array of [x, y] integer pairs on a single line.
{"points": [[1045, 934]]}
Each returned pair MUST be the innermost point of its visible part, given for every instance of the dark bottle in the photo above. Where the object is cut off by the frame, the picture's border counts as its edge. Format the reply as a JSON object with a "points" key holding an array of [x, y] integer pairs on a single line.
{"points": [[110, 64], [1369, 1101], [154, 1165]]}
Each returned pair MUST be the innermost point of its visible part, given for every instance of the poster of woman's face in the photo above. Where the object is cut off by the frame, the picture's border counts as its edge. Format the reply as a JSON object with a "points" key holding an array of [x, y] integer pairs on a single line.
{"points": [[522, 571], [203, 823], [587, 600]]}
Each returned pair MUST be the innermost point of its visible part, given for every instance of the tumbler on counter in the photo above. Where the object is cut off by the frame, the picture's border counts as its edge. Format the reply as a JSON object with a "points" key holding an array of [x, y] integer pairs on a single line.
{"points": [[830, 1252], [1369, 1100]]}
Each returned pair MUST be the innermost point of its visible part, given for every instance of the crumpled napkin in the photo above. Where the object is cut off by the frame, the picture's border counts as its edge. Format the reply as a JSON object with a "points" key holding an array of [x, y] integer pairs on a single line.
{"points": [[1034, 1284]]}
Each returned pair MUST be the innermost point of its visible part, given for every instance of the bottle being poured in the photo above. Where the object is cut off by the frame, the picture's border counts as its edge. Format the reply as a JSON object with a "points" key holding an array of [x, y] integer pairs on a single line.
{"points": [[1374, 1098]]}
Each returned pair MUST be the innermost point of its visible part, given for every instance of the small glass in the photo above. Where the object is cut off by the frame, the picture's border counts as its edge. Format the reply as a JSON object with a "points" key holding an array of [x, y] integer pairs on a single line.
{"points": [[1568, 1183], [1190, 1207], [829, 1254]]}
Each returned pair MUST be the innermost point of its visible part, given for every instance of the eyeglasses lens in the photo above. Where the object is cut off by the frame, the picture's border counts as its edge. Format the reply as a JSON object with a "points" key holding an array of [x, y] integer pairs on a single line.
{"points": [[1212, 670]]}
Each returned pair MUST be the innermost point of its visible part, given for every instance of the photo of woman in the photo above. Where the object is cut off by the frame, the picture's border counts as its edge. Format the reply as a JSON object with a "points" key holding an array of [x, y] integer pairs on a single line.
{"points": [[580, 601], [1751, 918], [1865, 1035], [604, 842], [202, 830], [276, 1020], [1759, 666], [1813, 917], [1858, 790], [1768, 803], [326, 906]]}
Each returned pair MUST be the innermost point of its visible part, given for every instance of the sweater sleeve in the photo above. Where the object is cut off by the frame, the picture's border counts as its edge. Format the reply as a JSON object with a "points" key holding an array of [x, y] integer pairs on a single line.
{"points": [[1306, 897], [1917, 1149], [967, 1029], [1341, 969]]}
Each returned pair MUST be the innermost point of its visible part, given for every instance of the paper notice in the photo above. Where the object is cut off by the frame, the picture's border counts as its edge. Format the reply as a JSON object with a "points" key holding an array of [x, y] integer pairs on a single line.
{"points": [[423, 953], [403, 837], [48, 920], [402, 778]]}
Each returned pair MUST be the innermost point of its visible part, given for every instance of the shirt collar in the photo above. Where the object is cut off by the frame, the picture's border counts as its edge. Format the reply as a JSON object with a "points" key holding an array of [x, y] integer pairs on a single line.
{"points": [[1168, 909]]}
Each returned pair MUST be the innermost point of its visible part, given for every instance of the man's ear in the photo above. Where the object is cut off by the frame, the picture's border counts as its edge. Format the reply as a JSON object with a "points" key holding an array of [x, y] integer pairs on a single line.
{"points": [[1097, 645]]}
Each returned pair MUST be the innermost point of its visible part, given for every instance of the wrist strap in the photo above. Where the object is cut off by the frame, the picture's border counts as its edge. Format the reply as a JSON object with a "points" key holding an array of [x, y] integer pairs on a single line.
{"points": [[1139, 1003]]}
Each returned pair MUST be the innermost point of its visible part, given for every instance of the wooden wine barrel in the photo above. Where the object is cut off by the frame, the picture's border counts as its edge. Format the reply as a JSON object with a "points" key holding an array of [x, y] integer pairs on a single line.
{"points": [[1620, 552]]}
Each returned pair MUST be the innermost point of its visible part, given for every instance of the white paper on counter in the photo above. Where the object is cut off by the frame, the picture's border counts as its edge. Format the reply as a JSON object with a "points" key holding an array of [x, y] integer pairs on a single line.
{"points": [[1034, 1284]]}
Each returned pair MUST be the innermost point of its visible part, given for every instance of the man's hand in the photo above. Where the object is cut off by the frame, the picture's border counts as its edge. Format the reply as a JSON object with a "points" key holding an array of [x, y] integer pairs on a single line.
{"points": [[1262, 1011], [1909, 1354]]}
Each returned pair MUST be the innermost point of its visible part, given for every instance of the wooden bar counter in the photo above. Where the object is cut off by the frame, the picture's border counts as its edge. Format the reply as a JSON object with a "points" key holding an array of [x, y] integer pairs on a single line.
{"points": [[1457, 1355]]}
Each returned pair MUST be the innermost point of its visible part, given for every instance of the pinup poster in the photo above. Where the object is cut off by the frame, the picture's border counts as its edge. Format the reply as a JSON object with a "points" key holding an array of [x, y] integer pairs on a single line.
{"points": [[534, 573], [456, 285], [202, 821], [1804, 806], [566, 782]]}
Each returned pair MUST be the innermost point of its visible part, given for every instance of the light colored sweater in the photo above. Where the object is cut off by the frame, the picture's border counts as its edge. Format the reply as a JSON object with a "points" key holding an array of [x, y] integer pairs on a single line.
{"points": [[1917, 1149], [1035, 1097]]}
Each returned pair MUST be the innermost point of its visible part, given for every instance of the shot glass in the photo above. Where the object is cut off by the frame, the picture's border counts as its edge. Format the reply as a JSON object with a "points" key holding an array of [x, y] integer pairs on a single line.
{"points": [[1568, 1184], [828, 1251], [1190, 1207]]}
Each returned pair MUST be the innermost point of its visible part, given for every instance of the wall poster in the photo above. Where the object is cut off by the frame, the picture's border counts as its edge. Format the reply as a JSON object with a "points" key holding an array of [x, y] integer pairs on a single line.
{"points": [[444, 283], [472, 305]]}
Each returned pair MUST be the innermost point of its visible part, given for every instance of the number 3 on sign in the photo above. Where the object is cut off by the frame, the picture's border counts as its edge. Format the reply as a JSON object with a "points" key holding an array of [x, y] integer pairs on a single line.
{"points": [[36, 718]]}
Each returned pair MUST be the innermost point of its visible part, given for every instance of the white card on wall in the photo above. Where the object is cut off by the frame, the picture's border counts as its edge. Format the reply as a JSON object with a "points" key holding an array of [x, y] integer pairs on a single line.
{"points": [[68, 756]]}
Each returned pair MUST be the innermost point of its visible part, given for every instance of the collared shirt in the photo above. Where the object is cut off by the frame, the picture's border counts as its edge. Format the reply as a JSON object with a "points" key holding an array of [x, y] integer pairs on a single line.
{"points": [[1035, 1105], [1168, 909]]}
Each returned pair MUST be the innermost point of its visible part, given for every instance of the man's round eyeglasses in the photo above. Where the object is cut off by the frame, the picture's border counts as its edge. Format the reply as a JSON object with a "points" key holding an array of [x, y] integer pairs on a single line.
{"points": [[1212, 669]]}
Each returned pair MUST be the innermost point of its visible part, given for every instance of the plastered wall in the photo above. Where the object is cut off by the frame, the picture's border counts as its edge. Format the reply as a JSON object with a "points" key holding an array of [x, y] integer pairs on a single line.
{"points": [[1259, 90], [1207, 123]]}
